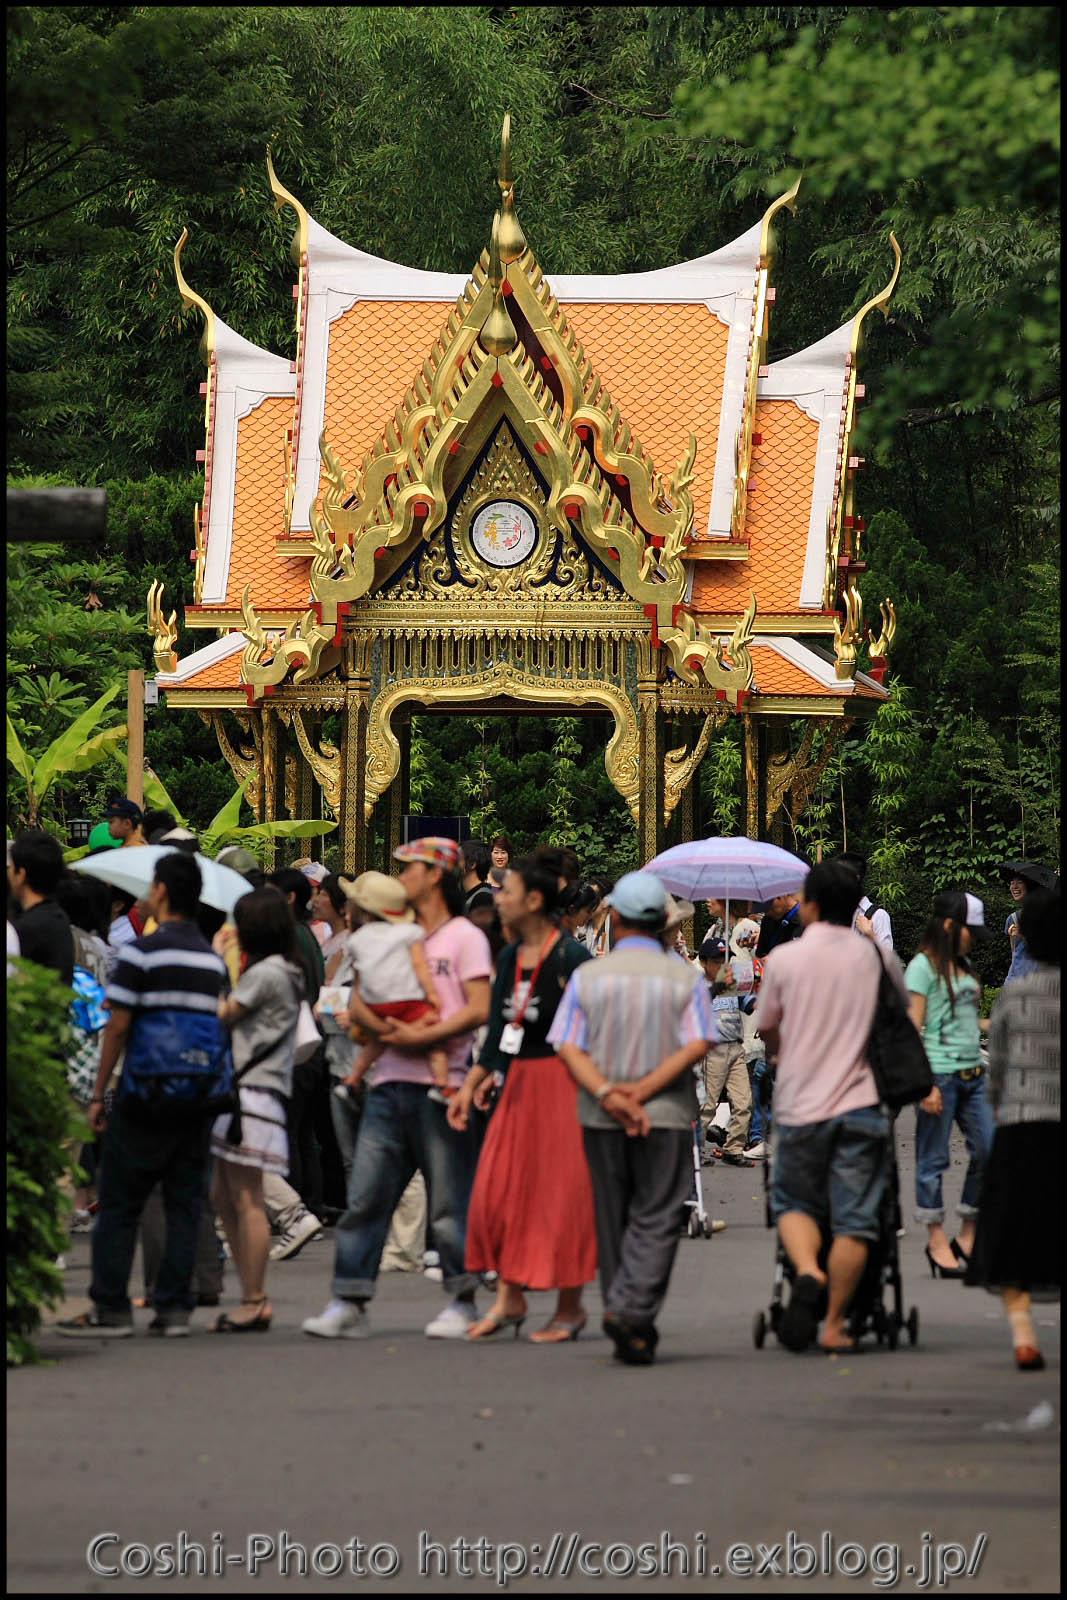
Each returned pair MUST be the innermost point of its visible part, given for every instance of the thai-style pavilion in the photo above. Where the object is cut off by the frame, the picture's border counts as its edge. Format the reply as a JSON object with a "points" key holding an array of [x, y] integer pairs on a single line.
{"points": [[491, 494]]}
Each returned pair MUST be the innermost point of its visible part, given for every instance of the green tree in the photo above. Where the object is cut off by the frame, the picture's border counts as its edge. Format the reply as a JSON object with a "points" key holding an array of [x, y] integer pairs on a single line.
{"points": [[82, 745]]}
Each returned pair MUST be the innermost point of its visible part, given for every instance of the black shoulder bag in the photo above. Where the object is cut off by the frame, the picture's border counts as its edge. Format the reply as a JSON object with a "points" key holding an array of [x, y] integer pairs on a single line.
{"points": [[895, 1048]]}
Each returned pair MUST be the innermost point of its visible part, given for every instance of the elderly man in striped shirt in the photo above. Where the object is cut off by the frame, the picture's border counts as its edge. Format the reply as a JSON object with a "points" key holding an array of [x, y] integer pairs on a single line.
{"points": [[631, 1027]]}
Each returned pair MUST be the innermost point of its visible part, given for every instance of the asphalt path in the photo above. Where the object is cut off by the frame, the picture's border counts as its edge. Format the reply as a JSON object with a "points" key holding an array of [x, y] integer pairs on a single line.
{"points": [[934, 1462]]}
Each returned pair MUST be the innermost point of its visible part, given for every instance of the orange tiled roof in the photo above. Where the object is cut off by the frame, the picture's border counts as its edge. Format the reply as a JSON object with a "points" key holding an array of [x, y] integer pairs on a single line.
{"points": [[663, 366], [779, 510], [220, 675], [376, 349], [774, 674], [258, 513]]}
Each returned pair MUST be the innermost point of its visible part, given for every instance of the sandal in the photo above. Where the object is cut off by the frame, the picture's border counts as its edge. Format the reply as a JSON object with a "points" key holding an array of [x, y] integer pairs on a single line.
{"points": [[492, 1323], [559, 1331], [800, 1319], [257, 1324]]}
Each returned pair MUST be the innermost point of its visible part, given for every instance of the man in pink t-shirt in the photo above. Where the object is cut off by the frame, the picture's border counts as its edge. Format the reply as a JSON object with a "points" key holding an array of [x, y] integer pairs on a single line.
{"points": [[816, 1006], [402, 1130]]}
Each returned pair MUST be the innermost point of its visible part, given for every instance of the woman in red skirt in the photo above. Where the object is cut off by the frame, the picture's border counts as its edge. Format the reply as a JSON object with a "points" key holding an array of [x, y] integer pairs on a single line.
{"points": [[531, 1209]]}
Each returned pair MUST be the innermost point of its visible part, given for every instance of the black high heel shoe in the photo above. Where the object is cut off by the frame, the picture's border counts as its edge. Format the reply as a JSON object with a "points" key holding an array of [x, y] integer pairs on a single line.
{"points": [[938, 1271], [960, 1253]]}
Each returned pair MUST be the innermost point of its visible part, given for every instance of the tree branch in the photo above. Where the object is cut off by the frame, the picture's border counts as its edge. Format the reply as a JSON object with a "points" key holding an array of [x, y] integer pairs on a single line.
{"points": [[920, 419], [657, 116]]}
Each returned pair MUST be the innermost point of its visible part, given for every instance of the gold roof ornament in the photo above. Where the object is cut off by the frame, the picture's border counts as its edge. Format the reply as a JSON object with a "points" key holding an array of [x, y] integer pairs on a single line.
{"points": [[282, 197], [165, 631], [190, 298], [847, 638], [498, 334], [879, 648], [880, 301], [512, 240], [785, 201]]}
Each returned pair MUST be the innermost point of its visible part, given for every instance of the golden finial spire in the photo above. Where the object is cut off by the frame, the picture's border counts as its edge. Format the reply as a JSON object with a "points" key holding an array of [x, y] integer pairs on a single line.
{"points": [[512, 241], [282, 197], [190, 298], [498, 334], [880, 302]]}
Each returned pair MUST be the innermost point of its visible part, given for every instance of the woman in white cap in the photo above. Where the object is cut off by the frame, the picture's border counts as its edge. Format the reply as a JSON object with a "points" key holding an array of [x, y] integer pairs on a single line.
{"points": [[944, 1007]]}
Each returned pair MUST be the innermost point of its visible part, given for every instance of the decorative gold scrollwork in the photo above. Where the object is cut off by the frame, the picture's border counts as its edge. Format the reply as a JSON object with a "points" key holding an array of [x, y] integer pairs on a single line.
{"points": [[242, 761], [879, 648], [165, 631], [797, 775], [847, 638], [680, 764], [325, 762], [621, 759]]}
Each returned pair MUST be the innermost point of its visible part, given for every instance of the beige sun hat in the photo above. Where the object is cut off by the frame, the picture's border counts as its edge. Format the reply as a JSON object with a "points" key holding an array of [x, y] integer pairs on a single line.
{"points": [[678, 911], [379, 894]]}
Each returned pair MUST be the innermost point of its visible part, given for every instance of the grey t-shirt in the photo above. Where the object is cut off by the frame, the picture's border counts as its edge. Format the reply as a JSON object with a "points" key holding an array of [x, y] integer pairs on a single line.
{"points": [[271, 992]]}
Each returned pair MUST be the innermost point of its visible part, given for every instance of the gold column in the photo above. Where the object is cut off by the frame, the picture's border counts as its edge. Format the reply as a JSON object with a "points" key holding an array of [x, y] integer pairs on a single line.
{"points": [[353, 828], [271, 779], [653, 749], [752, 817]]}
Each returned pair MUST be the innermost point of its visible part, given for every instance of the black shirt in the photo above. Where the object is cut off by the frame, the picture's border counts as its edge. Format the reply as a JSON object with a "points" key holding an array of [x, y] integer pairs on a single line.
{"points": [[45, 936], [479, 898], [541, 1008], [772, 933]]}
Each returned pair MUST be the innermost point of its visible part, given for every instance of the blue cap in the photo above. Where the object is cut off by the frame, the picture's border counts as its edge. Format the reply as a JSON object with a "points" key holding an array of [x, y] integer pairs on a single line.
{"points": [[640, 897]]}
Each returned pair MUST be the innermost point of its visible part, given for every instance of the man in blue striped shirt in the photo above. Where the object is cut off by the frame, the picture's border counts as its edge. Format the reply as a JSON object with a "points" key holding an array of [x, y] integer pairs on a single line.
{"points": [[172, 971], [631, 1026]]}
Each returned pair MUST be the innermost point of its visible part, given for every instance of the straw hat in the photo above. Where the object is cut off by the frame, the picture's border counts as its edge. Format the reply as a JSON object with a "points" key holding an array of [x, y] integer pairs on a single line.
{"points": [[379, 894], [678, 911]]}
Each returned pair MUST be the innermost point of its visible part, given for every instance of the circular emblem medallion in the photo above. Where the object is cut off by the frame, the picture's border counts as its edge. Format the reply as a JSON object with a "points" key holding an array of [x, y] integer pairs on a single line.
{"points": [[503, 533]]}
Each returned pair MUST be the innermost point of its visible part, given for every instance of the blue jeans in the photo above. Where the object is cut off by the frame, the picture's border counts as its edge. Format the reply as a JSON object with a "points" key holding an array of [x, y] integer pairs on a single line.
{"points": [[402, 1130], [967, 1104], [761, 1114]]}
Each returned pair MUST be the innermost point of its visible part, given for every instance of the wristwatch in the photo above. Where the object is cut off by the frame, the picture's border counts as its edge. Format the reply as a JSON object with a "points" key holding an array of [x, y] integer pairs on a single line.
{"points": [[604, 1090]]}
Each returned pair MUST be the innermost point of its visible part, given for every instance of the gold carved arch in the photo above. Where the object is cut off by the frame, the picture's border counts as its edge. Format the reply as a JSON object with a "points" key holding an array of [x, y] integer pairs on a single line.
{"points": [[621, 758]]}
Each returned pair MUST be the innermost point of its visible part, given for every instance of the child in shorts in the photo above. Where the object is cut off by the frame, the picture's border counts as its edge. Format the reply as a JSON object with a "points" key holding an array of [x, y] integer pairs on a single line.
{"points": [[391, 971]]}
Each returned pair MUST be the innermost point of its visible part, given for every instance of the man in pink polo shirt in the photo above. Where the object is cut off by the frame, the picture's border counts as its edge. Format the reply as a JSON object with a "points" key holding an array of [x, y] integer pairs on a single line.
{"points": [[816, 1005], [402, 1130]]}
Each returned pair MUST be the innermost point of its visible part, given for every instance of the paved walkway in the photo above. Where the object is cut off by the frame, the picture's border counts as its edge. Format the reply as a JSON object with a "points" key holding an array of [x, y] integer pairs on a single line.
{"points": [[399, 1435]]}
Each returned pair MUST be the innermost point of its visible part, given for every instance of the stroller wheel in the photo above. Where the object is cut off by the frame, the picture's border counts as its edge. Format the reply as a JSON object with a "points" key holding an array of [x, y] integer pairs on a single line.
{"points": [[912, 1325], [708, 1230], [694, 1225], [759, 1330], [892, 1331]]}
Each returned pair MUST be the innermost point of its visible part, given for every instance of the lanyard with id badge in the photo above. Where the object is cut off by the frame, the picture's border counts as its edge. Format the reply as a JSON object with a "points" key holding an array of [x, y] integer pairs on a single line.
{"points": [[512, 1032]]}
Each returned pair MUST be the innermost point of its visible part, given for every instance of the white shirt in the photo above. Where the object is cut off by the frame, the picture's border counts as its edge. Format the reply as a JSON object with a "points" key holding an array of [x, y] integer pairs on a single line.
{"points": [[883, 927], [381, 956]]}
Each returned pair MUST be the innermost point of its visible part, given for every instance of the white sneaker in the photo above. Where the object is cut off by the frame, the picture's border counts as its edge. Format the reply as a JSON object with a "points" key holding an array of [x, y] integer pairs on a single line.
{"points": [[433, 1273], [342, 1319], [453, 1321], [756, 1152], [305, 1228]]}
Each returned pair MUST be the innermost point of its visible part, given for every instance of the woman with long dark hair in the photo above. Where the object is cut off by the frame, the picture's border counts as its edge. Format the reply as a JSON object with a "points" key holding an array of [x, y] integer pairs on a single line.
{"points": [[531, 1211], [262, 1012], [944, 1007], [1017, 1247]]}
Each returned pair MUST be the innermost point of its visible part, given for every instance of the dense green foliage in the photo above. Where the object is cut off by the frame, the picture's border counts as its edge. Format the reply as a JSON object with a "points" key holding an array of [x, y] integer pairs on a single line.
{"points": [[41, 1121], [642, 136]]}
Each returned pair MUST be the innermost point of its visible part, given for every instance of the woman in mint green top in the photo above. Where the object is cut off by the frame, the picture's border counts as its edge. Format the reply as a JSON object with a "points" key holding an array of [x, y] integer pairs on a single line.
{"points": [[944, 1007]]}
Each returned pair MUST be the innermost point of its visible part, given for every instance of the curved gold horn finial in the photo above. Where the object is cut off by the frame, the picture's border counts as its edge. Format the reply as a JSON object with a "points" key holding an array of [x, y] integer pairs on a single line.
{"points": [[190, 298], [498, 334], [880, 300], [511, 240], [505, 177], [282, 197], [766, 238]]}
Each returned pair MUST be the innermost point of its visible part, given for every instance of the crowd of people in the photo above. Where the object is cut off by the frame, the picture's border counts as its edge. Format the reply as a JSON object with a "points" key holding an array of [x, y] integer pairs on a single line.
{"points": [[492, 1069]]}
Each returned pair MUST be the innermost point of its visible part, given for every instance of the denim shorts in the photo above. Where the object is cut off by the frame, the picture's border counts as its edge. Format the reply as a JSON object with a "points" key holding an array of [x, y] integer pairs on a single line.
{"points": [[834, 1171]]}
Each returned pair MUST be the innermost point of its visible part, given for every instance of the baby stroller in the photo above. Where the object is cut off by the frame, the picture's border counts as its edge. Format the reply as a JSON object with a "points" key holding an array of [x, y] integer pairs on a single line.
{"points": [[880, 1280]]}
